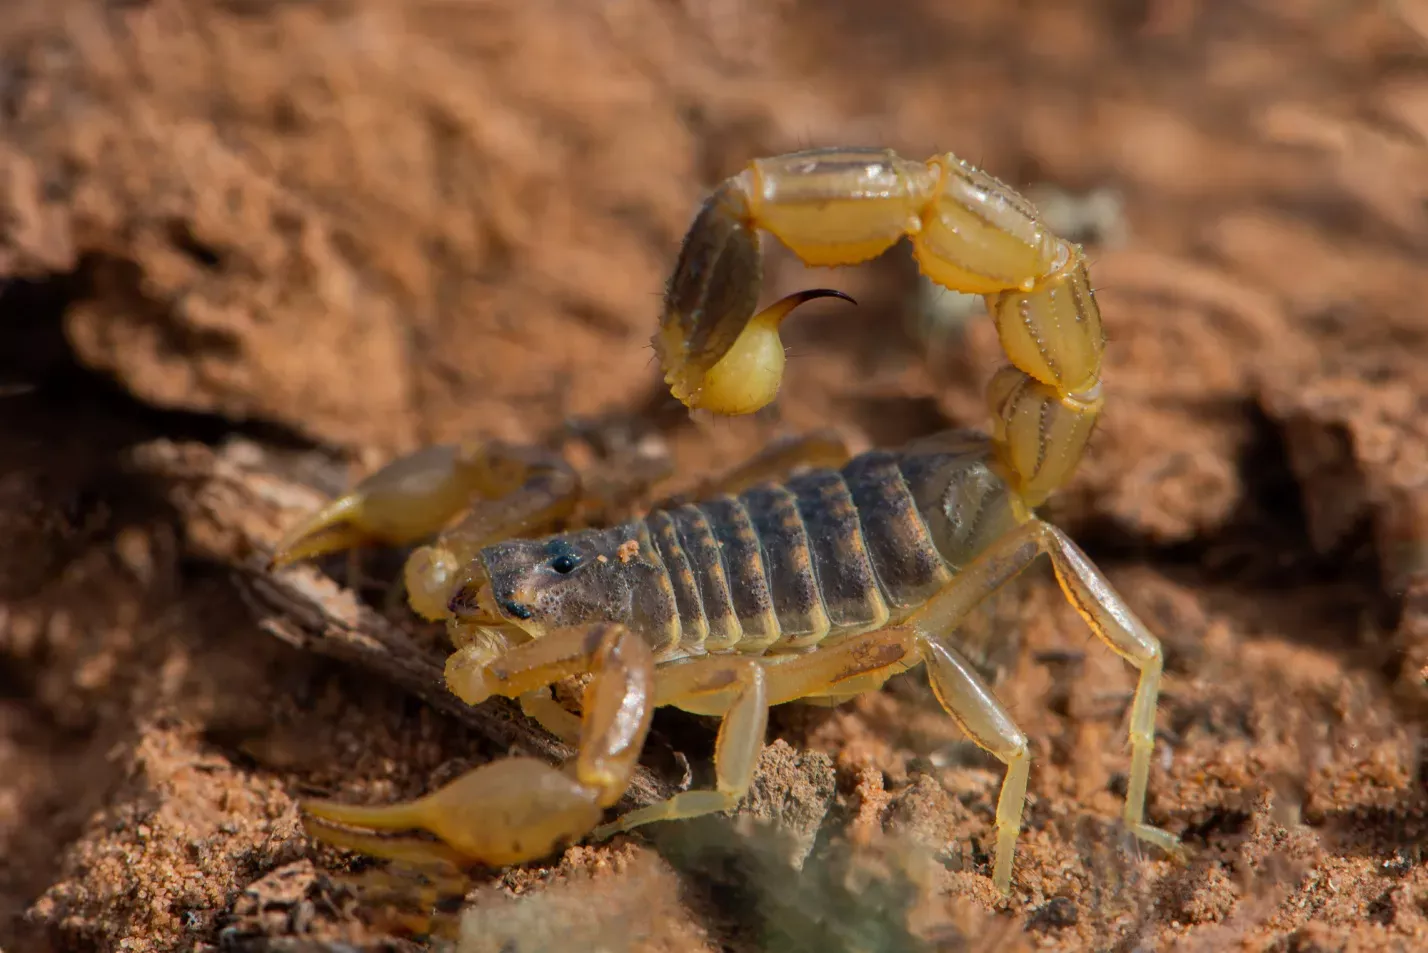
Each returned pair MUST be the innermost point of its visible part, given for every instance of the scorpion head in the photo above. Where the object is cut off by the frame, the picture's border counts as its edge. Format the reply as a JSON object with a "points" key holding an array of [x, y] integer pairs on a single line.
{"points": [[577, 578]]}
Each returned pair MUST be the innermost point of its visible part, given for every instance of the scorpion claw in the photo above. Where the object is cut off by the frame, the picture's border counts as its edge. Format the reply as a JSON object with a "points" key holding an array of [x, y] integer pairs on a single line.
{"points": [[412, 851], [334, 529], [606, 831], [503, 813], [408, 499]]}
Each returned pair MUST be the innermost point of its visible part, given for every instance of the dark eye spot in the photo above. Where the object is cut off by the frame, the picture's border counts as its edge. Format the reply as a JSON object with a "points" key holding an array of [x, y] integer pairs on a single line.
{"points": [[516, 609], [564, 563]]}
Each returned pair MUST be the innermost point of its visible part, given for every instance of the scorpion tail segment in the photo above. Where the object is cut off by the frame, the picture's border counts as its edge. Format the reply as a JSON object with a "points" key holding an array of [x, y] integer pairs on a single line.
{"points": [[712, 293], [1046, 405], [409, 498], [1040, 435], [1051, 328]]}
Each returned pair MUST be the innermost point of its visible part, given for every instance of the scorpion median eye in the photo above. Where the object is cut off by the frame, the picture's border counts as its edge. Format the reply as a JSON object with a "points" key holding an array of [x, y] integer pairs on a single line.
{"points": [[564, 563]]}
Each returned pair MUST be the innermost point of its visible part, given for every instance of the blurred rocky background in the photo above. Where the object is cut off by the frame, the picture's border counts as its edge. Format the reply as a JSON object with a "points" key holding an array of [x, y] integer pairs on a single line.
{"points": [[241, 238]]}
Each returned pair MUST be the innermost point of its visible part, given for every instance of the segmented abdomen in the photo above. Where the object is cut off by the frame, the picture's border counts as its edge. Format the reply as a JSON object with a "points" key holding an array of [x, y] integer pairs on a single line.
{"points": [[829, 552]]}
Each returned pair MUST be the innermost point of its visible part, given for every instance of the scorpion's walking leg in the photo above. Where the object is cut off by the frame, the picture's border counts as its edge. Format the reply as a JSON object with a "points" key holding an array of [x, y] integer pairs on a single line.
{"points": [[540, 706], [818, 448], [520, 809], [742, 691], [510, 491], [972, 704], [859, 664], [730, 687], [968, 699], [1114, 623]]}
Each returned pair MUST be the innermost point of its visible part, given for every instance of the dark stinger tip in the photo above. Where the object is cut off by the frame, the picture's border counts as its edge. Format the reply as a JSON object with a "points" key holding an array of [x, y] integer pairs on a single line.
{"points": [[815, 293]]}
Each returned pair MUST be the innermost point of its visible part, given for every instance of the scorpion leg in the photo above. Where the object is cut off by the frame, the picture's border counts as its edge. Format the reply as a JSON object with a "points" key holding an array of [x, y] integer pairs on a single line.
{"points": [[520, 809], [819, 448], [865, 662], [540, 706], [734, 689], [968, 699], [972, 704], [744, 688], [1107, 614], [478, 645], [741, 691], [508, 492]]}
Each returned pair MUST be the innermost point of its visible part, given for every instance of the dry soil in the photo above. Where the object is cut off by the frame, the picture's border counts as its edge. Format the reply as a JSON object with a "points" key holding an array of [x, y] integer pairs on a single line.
{"points": [[251, 249]]}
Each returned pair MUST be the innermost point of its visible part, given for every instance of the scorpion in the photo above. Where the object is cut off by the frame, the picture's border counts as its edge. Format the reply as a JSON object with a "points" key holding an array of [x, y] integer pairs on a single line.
{"points": [[815, 574]]}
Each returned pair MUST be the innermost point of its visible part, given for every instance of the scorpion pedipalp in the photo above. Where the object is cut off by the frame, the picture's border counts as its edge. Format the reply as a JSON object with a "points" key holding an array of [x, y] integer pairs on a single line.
{"points": [[518, 809], [505, 492], [404, 501]]}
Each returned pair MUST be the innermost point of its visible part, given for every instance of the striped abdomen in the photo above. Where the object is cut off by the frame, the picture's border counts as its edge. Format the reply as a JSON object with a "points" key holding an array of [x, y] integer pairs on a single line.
{"points": [[829, 552]]}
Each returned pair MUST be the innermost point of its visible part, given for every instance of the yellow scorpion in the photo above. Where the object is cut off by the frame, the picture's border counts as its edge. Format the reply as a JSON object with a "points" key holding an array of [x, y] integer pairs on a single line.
{"points": [[781, 585]]}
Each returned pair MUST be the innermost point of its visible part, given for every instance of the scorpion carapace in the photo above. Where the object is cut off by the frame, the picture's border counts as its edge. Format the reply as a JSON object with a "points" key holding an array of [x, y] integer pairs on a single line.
{"points": [[781, 584]]}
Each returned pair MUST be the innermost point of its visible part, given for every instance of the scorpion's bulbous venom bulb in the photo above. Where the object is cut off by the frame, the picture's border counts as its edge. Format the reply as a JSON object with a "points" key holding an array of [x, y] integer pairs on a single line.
{"points": [[711, 294], [717, 354], [747, 378]]}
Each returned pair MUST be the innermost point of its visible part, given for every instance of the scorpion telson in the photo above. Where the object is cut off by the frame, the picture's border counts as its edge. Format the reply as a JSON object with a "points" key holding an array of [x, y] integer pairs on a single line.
{"points": [[777, 586]]}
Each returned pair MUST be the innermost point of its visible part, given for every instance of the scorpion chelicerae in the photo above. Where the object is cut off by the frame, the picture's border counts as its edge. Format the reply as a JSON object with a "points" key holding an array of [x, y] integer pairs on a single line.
{"points": [[784, 584]]}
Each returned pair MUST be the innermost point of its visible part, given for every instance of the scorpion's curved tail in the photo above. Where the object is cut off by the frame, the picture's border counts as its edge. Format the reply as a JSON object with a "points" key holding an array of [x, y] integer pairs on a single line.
{"points": [[970, 233]]}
